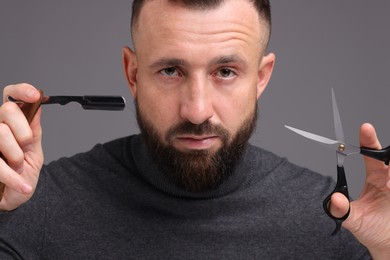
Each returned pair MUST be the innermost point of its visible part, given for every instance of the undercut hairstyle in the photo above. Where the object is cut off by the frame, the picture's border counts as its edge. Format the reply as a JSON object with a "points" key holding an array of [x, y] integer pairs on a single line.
{"points": [[262, 7]]}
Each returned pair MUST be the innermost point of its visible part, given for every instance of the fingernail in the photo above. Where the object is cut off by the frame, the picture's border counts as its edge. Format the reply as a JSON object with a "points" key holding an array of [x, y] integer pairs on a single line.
{"points": [[26, 188], [30, 93]]}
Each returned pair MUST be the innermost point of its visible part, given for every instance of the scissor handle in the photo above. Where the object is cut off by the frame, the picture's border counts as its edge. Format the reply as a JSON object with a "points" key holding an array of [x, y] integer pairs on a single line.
{"points": [[342, 187], [29, 110], [381, 155]]}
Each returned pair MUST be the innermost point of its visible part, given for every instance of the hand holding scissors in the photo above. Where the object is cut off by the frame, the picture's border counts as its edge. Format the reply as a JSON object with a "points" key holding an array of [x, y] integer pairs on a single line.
{"points": [[342, 150]]}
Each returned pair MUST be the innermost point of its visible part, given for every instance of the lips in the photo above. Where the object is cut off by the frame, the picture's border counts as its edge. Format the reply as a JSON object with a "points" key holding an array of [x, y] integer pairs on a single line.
{"points": [[196, 142]]}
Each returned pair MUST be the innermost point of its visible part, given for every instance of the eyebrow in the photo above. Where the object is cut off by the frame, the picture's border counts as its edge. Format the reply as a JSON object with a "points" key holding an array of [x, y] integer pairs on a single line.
{"points": [[226, 59], [168, 62], [174, 62]]}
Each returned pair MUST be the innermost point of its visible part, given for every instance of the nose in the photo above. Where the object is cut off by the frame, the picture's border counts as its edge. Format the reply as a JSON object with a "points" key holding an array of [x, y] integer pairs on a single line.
{"points": [[196, 103]]}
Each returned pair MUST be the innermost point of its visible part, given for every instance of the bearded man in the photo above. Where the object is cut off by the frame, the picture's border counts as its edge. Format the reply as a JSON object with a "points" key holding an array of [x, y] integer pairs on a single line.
{"points": [[189, 186]]}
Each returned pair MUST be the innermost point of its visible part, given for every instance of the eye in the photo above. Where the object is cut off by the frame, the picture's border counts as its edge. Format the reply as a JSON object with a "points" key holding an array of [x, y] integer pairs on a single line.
{"points": [[226, 73], [169, 72]]}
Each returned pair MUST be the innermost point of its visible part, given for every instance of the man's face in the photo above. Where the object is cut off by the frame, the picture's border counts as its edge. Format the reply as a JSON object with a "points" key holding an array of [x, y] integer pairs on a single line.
{"points": [[197, 68]]}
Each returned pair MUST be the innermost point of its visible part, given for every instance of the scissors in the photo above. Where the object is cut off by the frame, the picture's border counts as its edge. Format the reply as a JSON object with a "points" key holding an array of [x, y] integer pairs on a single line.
{"points": [[342, 151]]}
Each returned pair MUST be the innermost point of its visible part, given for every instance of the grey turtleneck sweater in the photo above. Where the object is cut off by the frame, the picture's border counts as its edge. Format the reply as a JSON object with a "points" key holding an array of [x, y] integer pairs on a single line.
{"points": [[112, 203]]}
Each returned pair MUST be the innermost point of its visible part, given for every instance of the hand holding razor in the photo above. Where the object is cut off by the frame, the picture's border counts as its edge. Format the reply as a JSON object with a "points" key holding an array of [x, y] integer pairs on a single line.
{"points": [[112, 103]]}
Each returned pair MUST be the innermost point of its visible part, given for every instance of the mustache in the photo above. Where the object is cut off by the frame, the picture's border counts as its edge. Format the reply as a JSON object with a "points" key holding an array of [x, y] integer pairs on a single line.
{"points": [[205, 128]]}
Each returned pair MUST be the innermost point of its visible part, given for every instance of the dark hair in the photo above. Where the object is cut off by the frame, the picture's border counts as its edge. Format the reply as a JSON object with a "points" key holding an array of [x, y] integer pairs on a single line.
{"points": [[263, 8]]}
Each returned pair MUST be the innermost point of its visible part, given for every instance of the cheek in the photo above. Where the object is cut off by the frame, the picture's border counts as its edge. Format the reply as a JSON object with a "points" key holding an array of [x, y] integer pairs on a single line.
{"points": [[234, 109], [157, 109]]}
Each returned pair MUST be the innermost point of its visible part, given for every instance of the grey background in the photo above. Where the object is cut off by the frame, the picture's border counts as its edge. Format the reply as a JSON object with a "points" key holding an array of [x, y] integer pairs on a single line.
{"points": [[74, 48]]}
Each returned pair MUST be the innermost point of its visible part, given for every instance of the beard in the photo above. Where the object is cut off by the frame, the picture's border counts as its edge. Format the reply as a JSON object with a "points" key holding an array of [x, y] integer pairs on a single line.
{"points": [[197, 170]]}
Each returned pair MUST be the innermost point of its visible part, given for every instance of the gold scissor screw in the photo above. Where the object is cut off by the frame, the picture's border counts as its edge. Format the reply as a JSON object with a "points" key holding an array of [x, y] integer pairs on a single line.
{"points": [[341, 147]]}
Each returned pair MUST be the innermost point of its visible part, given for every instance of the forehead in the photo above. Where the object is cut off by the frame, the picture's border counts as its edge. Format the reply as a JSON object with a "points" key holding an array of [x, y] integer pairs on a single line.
{"points": [[161, 19]]}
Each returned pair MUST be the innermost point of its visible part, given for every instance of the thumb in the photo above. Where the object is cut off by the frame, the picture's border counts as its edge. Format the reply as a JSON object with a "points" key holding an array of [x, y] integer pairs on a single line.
{"points": [[369, 139], [339, 205]]}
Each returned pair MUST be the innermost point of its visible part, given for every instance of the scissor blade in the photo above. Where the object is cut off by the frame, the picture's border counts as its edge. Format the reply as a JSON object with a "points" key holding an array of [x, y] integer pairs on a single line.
{"points": [[338, 128], [312, 136], [341, 148]]}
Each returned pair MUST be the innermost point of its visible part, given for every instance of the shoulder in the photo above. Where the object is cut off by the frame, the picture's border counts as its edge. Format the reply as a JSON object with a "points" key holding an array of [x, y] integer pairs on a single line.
{"points": [[270, 162], [104, 163], [275, 171], [295, 195], [101, 155]]}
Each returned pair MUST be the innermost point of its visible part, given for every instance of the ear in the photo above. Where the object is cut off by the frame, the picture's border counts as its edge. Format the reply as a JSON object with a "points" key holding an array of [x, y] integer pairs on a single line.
{"points": [[265, 71], [130, 67]]}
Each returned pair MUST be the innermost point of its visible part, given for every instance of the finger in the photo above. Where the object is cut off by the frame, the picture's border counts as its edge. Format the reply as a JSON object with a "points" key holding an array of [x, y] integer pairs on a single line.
{"points": [[388, 179], [13, 180], [339, 205], [36, 127], [369, 139], [10, 149], [24, 92], [36, 145], [11, 115]]}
